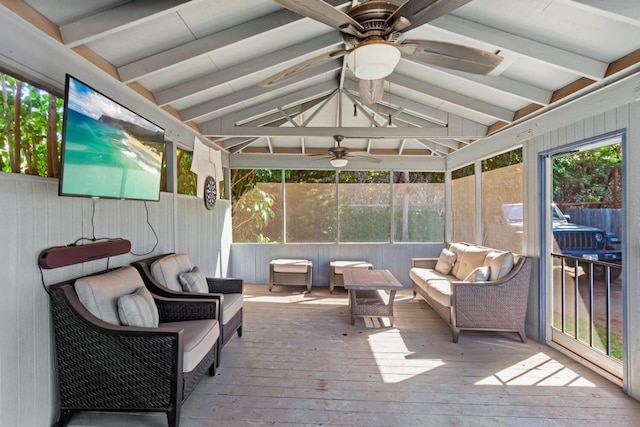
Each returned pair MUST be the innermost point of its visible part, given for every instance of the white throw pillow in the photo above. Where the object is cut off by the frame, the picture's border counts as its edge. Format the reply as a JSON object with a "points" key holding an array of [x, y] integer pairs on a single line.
{"points": [[194, 281], [138, 309], [479, 274], [446, 261], [500, 264]]}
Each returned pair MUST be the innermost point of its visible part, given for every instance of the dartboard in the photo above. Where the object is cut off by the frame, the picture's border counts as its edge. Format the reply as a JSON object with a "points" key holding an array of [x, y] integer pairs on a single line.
{"points": [[210, 192]]}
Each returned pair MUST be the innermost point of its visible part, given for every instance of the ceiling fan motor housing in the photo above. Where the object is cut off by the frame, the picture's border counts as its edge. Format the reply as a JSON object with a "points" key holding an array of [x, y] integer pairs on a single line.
{"points": [[373, 16]]}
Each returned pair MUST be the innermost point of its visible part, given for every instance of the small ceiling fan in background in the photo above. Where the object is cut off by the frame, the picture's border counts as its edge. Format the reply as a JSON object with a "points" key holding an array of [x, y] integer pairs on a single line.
{"points": [[339, 156], [372, 33]]}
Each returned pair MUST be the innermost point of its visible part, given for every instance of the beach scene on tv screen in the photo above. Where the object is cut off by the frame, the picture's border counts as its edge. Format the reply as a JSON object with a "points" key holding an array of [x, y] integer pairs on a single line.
{"points": [[109, 151]]}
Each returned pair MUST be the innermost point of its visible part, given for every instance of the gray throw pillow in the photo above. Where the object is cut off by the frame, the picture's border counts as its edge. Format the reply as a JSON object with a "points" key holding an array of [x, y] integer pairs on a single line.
{"points": [[194, 281], [138, 309], [479, 274]]}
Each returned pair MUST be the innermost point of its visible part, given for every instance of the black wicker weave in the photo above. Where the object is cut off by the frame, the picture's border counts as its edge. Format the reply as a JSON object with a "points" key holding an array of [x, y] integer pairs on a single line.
{"points": [[105, 367], [218, 287]]}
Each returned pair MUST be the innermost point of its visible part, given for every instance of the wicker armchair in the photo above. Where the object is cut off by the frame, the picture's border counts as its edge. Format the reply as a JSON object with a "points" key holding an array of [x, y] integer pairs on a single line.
{"points": [[103, 366], [228, 291]]}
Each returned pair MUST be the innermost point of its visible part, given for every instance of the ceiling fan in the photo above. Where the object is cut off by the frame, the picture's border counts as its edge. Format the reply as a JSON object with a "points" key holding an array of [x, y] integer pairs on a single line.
{"points": [[372, 33], [339, 156]]}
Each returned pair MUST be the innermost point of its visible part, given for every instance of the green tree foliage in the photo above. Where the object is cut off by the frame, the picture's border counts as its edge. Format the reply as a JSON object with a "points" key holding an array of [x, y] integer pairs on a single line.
{"points": [[187, 180], [30, 128], [589, 177]]}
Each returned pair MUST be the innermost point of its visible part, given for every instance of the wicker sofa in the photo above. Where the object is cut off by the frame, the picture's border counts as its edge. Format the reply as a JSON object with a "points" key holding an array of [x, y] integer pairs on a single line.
{"points": [[103, 365], [452, 286]]}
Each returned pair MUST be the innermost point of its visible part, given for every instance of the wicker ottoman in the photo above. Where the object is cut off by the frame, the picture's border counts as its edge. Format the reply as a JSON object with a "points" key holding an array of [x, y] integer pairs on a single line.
{"points": [[290, 272], [335, 274]]}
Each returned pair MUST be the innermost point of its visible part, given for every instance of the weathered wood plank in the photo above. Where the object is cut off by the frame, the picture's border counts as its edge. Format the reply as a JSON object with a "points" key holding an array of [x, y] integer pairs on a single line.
{"points": [[300, 362]]}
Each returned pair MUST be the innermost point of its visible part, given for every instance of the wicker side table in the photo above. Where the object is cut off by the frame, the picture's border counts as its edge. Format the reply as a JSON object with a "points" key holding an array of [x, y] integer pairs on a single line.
{"points": [[335, 271]]}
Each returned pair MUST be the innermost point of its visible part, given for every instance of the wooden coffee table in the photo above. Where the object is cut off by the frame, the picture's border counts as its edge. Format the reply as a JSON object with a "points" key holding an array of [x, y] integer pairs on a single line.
{"points": [[367, 292]]}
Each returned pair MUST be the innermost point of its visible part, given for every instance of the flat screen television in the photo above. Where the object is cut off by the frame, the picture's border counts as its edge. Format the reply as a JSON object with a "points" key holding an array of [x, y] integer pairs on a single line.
{"points": [[108, 151]]}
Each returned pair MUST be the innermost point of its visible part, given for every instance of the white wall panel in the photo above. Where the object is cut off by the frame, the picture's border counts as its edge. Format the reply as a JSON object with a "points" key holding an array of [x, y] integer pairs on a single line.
{"points": [[34, 218], [251, 261]]}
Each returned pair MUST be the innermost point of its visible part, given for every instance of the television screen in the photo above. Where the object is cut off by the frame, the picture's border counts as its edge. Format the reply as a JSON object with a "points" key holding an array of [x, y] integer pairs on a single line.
{"points": [[107, 150]]}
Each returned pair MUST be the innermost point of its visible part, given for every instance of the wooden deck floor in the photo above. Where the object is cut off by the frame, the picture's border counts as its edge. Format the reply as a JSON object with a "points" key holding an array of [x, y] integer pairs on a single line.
{"points": [[301, 362]]}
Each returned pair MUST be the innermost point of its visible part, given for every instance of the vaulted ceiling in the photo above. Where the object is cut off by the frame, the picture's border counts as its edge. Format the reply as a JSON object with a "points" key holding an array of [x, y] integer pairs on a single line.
{"points": [[202, 60]]}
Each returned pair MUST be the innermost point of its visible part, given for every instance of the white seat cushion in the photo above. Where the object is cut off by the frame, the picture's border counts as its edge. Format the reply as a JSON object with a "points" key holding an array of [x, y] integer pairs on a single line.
{"points": [[167, 269], [440, 290], [199, 337], [290, 265], [418, 274], [232, 304], [339, 265], [99, 294]]}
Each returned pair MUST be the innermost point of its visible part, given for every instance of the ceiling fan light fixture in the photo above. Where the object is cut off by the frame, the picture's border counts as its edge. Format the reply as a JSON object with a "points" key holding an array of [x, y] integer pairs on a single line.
{"points": [[373, 60], [339, 163]]}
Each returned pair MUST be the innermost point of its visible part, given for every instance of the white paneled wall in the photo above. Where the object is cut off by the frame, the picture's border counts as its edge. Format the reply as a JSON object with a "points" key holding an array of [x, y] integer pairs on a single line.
{"points": [[34, 218], [251, 261]]}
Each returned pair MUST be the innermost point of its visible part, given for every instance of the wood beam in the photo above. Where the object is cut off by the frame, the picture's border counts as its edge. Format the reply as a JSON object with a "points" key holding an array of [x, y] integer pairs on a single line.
{"points": [[559, 58], [116, 19], [273, 60], [185, 52]]}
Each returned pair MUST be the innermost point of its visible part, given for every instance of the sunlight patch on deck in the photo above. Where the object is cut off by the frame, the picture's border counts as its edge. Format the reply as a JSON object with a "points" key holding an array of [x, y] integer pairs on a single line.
{"points": [[392, 357], [538, 370]]}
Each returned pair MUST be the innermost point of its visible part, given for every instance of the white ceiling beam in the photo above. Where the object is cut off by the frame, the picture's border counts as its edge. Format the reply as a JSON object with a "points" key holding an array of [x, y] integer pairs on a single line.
{"points": [[242, 98], [435, 148], [217, 125], [293, 161], [116, 19], [462, 101], [406, 118], [163, 60], [507, 86], [620, 10], [228, 143], [559, 58], [267, 61], [348, 132], [429, 113], [275, 119]]}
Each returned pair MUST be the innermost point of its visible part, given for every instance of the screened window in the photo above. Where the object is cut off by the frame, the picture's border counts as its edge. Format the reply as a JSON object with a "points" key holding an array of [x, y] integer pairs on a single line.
{"points": [[418, 206], [257, 205], [365, 206], [326, 206], [310, 206], [502, 212], [463, 204]]}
